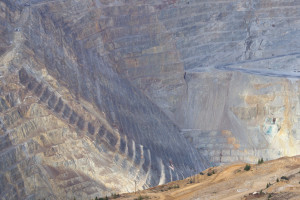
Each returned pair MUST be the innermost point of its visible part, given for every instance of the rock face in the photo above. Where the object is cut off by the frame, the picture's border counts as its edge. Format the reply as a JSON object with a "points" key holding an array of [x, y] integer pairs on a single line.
{"points": [[71, 124], [247, 116], [99, 95], [226, 72]]}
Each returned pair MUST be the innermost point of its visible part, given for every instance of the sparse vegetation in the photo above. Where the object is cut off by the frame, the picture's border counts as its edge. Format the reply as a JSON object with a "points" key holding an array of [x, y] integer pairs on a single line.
{"points": [[284, 178], [141, 197], [211, 173], [269, 196], [260, 161], [173, 187], [115, 196], [265, 193], [247, 167]]}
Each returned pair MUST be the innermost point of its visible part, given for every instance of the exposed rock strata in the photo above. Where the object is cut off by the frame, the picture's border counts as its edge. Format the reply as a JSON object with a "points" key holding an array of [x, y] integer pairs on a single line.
{"points": [[199, 61], [225, 72], [71, 125], [247, 116]]}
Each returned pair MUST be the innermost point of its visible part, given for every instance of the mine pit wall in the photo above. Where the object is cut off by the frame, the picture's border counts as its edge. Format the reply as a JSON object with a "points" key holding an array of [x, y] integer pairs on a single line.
{"points": [[242, 117], [172, 50], [82, 64], [71, 125], [66, 147], [100, 58], [137, 156], [154, 43], [160, 47]]}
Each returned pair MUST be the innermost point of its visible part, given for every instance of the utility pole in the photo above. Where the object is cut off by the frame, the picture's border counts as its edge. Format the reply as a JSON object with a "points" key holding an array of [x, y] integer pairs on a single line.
{"points": [[221, 156]]}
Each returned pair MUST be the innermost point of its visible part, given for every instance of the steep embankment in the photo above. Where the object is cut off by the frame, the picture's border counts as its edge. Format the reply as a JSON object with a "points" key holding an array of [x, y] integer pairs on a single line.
{"points": [[226, 72], [233, 182], [92, 90], [71, 125], [222, 71]]}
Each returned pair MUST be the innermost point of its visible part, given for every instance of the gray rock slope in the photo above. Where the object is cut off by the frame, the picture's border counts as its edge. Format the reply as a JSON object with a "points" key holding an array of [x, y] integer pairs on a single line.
{"points": [[221, 70], [99, 94], [72, 125]]}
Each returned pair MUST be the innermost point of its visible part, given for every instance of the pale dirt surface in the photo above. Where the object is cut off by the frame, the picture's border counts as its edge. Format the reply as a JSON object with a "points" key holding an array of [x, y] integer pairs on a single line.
{"points": [[233, 182]]}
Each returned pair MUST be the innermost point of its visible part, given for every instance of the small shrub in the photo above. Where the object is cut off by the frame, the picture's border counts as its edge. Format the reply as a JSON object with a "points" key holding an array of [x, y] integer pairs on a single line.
{"points": [[213, 172], [173, 187], [284, 178], [115, 196], [141, 197], [269, 196], [191, 181], [277, 180], [176, 186], [268, 185], [201, 173], [260, 161], [247, 167], [209, 174]]}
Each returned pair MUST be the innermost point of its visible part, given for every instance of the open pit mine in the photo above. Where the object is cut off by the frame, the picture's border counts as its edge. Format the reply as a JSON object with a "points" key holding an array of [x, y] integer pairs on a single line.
{"points": [[112, 96]]}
